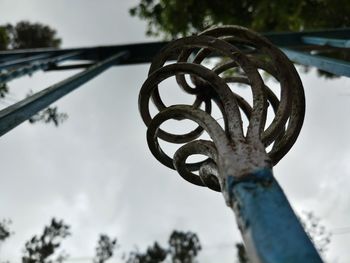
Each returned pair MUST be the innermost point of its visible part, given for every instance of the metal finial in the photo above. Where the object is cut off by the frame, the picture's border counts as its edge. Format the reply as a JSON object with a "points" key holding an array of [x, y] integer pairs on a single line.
{"points": [[231, 151]]}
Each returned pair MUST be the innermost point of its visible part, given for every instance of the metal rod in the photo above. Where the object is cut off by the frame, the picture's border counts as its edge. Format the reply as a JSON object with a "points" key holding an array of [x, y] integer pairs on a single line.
{"points": [[323, 41], [23, 110], [35, 66], [335, 66]]}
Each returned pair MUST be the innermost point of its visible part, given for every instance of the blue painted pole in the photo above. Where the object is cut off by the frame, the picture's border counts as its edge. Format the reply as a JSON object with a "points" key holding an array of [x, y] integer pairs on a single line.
{"points": [[271, 231], [14, 115]]}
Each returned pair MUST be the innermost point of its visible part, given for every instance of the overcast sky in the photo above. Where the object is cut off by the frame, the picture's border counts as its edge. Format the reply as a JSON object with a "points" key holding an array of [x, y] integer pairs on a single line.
{"points": [[96, 172]]}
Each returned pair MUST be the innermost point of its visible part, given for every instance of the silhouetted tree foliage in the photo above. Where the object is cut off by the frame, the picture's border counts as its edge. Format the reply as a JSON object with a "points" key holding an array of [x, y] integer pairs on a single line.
{"points": [[154, 254], [49, 115], [173, 19], [317, 232], [4, 89], [241, 253], [183, 247], [24, 35], [5, 231], [181, 18], [4, 38], [40, 249], [105, 248]]}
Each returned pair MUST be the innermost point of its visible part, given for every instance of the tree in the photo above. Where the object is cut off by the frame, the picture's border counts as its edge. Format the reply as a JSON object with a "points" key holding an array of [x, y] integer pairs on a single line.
{"points": [[105, 248], [40, 249], [4, 38], [24, 35], [182, 247], [27, 35], [171, 18], [241, 253], [154, 254], [3, 90], [5, 232], [316, 231], [49, 115]]}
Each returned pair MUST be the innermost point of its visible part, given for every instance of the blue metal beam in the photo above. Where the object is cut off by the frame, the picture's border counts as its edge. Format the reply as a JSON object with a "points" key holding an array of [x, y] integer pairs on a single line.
{"points": [[25, 60], [23, 110], [335, 66], [38, 64], [144, 52], [323, 41], [292, 39], [139, 53]]}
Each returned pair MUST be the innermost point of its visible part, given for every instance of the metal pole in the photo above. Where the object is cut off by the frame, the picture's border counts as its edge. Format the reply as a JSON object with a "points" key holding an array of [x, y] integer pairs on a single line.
{"points": [[271, 231], [238, 163], [14, 115]]}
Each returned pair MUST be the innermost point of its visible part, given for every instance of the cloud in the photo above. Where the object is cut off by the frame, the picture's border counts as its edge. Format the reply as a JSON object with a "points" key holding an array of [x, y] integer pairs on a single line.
{"points": [[97, 173]]}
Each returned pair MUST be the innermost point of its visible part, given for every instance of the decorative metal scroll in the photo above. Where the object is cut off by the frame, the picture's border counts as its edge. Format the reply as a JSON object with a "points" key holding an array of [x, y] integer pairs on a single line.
{"points": [[231, 152]]}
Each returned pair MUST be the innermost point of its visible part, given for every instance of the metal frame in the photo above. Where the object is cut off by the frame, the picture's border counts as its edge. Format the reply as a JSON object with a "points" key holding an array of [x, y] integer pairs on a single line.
{"points": [[23, 110], [263, 212], [17, 63]]}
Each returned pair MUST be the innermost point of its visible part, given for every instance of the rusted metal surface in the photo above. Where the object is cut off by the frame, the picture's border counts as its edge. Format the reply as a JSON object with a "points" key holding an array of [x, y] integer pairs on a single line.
{"points": [[234, 157], [242, 153]]}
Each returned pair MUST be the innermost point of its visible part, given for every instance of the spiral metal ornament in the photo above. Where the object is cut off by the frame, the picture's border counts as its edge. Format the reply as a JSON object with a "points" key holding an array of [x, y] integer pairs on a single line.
{"points": [[243, 55]]}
